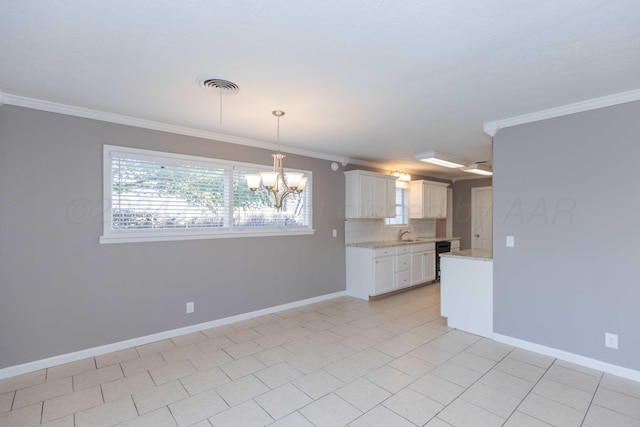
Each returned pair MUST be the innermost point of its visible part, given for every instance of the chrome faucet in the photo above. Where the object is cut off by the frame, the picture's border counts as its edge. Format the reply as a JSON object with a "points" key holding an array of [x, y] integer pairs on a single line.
{"points": [[402, 233]]}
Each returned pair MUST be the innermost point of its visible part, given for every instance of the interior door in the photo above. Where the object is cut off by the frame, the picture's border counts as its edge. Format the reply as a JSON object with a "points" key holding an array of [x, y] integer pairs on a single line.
{"points": [[482, 218]]}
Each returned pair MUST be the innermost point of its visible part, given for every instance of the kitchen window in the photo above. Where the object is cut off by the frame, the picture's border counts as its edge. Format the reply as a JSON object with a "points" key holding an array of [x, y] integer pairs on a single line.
{"points": [[154, 196], [402, 206]]}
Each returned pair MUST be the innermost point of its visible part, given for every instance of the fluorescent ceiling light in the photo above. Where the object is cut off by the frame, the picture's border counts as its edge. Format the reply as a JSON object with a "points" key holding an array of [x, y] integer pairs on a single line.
{"points": [[440, 159], [478, 168]]}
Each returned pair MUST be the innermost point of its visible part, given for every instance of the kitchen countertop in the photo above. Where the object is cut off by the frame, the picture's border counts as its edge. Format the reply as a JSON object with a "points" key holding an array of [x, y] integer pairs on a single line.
{"points": [[477, 254], [387, 243]]}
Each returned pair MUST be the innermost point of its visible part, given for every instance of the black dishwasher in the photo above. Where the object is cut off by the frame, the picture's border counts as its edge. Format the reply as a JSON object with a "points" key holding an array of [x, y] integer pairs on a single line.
{"points": [[441, 247]]}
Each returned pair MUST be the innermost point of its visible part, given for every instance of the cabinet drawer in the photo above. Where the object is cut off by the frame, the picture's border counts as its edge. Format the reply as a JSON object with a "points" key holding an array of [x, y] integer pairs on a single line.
{"points": [[384, 251], [403, 279], [403, 262], [423, 247], [403, 249]]}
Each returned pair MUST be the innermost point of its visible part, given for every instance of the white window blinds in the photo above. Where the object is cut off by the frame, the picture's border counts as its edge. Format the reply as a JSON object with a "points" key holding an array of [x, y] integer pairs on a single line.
{"points": [[402, 206]]}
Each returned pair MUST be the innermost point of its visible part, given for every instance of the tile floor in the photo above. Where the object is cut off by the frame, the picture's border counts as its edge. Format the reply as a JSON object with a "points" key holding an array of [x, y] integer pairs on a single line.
{"points": [[343, 362]]}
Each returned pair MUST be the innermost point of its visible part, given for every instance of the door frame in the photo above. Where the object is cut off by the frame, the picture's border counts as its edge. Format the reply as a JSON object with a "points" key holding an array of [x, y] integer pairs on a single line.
{"points": [[474, 190]]}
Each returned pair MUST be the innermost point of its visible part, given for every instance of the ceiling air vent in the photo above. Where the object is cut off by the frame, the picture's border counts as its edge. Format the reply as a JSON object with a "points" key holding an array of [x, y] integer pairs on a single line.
{"points": [[217, 84]]}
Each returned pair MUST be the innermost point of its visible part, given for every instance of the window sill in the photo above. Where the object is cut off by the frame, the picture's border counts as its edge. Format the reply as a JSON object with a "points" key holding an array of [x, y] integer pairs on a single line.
{"points": [[223, 235]]}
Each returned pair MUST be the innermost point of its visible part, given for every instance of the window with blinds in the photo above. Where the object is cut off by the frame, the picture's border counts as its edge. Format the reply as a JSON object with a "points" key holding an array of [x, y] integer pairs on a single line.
{"points": [[162, 196], [402, 208]]}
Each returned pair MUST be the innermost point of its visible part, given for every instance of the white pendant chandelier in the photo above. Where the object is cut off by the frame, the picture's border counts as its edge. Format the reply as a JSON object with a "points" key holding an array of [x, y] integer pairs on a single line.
{"points": [[277, 182]]}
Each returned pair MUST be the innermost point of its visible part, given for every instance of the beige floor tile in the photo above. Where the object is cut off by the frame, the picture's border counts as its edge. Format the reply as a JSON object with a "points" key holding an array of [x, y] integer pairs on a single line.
{"points": [[325, 337], [41, 392], [243, 336], [244, 349], [272, 340], [71, 403], [241, 367], [318, 384], [274, 355], [22, 381], [179, 354], [24, 417], [204, 380], [381, 416], [389, 378], [301, 346], [507, 383], [519, 419], [6, 400], [172, 371], [412, 365], [492, 400], [490, 349], [564, 394], [294, 420], [278, 375], [153, 398], [241, 390], [155, 347], [550, 411], [621, 385], [579, 368], [427, 332], [347, 370], [330, 411], [246, 414], [269, 328], [363, 394], [126, 386], [377, 334], [244, 324], [520, 369], [106, 415], [597, 416], [448, 344], [346, 330], [433, 355], [205, 361], [461, 413], [358, 342], [158, 418], [282, 401], [116, 357], [438, 389], [308, 362], [192, 338], [535, 359], [573, 378], [60, 422], [457, 374], [218, 331], [463, 337], [96, 377], [197, 408], [413, 406], [144, 363], [473, 361], [619, 402], [371, 358], [393, 348], [296, 332], [335, 351], [214, 344], [70, 369], [411, 339]]}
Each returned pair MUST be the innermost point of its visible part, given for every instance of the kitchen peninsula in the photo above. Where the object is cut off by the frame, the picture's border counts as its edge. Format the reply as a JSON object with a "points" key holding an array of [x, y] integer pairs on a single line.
{"points": [[466, 291]]}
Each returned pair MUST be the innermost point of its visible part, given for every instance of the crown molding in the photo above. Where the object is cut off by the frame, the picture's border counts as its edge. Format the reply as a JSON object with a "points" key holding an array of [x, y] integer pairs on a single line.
{"points": [[491, 128], [53, 107]]}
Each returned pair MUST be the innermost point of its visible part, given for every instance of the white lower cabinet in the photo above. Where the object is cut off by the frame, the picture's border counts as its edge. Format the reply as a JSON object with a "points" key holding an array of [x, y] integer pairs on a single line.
{"points": [[372, 272]]}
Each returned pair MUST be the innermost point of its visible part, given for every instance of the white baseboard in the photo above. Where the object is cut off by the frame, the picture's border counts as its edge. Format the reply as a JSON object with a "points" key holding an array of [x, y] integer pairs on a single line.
{"points": [[570, 357], [24, 368]]}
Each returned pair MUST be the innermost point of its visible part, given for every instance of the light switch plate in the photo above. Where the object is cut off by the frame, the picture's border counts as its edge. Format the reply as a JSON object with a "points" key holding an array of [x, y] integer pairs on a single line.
{"points": [[510, 241]]}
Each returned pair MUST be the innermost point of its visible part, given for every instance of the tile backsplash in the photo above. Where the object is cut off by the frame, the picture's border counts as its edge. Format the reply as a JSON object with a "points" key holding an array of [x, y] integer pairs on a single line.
{"points": [[373, 230]]}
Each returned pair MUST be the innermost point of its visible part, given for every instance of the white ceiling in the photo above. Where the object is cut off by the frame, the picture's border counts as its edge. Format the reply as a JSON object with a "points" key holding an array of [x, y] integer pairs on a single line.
{"points": [[374, 80]]}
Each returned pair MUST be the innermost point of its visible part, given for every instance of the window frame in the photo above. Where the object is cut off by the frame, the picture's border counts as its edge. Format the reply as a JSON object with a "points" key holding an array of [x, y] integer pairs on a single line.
{"points": [[400, 185], [110, 235]]}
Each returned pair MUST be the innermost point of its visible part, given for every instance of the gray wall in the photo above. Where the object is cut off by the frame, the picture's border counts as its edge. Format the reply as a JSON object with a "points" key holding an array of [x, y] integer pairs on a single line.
{"points": [[567, 189], [462, 208], [61, 291]]}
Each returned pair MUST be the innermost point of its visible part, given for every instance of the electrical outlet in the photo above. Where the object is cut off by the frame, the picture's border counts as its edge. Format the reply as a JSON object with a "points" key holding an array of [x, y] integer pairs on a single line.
{"points": [[611, 340], [190, 308], [511, 241], [335, 233]]}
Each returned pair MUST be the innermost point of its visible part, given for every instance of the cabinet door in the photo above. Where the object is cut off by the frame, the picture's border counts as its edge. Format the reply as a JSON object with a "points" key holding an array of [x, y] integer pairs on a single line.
{"points": [[390, 199], [417, 268], [380, 197], [367, 196], [437, 201], [383, 275], [429, 266]]}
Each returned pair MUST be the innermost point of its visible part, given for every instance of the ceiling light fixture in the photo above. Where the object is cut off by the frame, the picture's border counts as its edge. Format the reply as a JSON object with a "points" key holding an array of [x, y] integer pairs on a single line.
{"points": [[278, 183], [440, 159], [478, 168], [402, 175]]}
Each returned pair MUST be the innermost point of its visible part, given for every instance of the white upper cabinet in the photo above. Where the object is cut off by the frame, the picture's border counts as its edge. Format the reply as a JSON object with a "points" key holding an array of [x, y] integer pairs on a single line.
{"points": [[369, 195], [427, 199]]}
